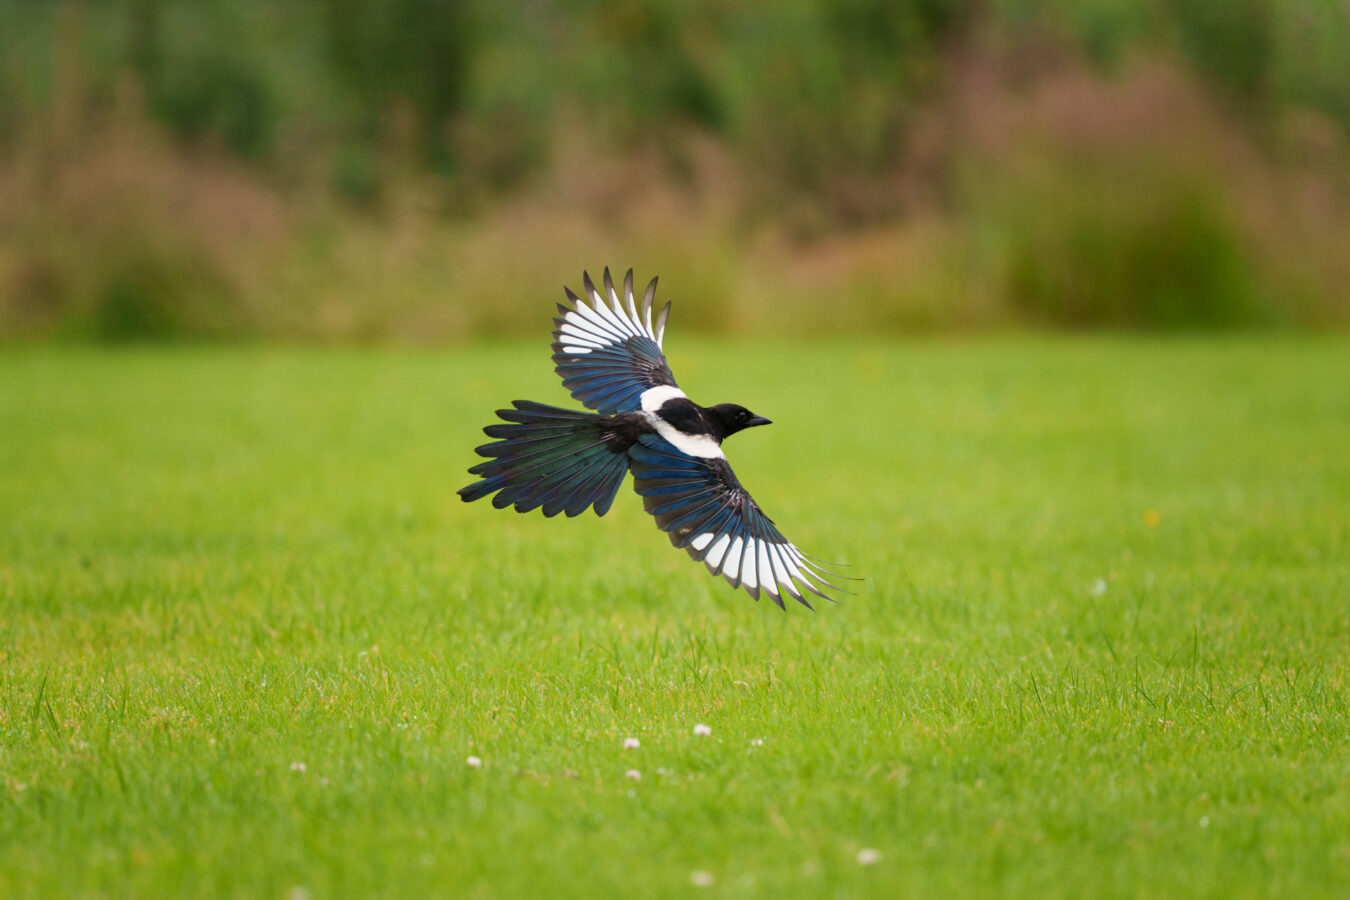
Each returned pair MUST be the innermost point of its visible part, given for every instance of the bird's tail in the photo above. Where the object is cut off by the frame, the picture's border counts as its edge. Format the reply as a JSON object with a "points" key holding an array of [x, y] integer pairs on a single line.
{"points": [[557, 459]]}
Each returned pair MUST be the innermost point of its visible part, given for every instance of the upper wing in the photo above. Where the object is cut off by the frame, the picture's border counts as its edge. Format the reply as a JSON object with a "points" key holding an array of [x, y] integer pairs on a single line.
{"points": [[704, 508], [607, 355]]}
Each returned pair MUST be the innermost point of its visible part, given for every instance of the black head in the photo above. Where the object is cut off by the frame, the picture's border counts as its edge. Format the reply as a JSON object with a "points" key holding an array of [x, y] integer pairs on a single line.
{"points": [[728, 418]]}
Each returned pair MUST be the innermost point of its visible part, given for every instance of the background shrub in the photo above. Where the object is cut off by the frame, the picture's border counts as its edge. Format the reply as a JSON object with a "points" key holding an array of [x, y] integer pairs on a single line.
{"points": [[830, 139]]}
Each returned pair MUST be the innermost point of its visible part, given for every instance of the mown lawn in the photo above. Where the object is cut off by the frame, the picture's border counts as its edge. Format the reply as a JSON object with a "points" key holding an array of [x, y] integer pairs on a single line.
{"points": [[249, 635]]}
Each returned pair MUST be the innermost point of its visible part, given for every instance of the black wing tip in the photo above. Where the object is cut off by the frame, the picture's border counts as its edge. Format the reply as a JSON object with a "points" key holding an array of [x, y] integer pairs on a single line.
{"points": [[478, 490]]}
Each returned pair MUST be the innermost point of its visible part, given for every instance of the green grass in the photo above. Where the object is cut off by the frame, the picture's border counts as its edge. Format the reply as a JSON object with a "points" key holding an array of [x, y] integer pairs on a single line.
{"points": [[1101, 648]]}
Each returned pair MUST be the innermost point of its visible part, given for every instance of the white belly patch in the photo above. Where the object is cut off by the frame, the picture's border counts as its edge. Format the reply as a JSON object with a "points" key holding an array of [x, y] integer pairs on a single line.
{"points": [[700, 445]]}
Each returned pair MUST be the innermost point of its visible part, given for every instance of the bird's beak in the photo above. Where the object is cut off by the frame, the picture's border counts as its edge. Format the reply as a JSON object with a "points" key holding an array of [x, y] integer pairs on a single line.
{"points": [[758, 420]]}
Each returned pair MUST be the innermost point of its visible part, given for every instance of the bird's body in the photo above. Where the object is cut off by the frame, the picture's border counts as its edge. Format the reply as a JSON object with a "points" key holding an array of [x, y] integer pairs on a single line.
{"points": [[562, 460]]}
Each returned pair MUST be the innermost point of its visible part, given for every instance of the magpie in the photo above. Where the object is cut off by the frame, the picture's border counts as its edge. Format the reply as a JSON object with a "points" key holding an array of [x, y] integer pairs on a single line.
{"points": [[564, 460]]}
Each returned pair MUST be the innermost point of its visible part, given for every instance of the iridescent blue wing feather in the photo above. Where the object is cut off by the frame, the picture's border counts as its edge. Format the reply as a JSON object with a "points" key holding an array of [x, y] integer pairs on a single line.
{"points": [[553, 459], [704, 508], [607, 352]]}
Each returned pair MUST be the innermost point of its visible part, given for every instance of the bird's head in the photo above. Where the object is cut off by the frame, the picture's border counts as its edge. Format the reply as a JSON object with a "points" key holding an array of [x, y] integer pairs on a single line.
{"points": [[728, 418]]}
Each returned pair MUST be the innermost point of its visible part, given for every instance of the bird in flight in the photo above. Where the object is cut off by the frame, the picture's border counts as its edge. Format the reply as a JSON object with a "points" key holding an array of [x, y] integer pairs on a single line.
{"points": [[566, 460]]}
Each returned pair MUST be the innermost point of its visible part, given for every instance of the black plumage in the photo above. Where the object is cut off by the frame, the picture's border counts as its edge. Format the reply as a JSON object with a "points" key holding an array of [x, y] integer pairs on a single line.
{"points": [[566, 461]]}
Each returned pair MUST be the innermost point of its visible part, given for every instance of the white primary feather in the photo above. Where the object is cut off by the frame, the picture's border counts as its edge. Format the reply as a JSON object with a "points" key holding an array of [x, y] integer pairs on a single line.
{"points": [[733, 566], [719, 550], [790, 571], [617, 307], [748, 565], [628, 295], [606, 320], [767, 578], [586, 318], [790, 568], [581, 335], [775, 567], [617, 322]]}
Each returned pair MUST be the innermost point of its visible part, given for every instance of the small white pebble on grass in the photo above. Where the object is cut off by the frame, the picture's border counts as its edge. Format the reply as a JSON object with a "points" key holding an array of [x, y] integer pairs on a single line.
{"points": [[297, 767], [1099, 587], [869, 856], [700, 878], [631, 743], [473, 762], [702, 730], [633, 774]]}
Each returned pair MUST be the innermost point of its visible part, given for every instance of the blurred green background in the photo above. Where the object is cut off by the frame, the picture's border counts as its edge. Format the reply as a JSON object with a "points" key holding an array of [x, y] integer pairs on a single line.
{"points": [[431, 170]]}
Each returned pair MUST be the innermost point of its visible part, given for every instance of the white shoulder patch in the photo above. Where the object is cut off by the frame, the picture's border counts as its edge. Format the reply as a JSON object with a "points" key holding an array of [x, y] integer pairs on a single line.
{"points": [[652, 398]]}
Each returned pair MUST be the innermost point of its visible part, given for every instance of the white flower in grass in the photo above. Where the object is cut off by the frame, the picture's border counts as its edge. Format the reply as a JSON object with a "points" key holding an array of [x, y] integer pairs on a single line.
{"points": [[297, 767], [473, 762], [757, 742], [702, 730], [633, 774], [631, 743], [1099, 587], [869, 856], [700, 878]]}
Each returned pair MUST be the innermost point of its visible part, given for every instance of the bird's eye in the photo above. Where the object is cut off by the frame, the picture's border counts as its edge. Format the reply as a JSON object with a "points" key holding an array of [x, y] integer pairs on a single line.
{"points": [[740, 416]]}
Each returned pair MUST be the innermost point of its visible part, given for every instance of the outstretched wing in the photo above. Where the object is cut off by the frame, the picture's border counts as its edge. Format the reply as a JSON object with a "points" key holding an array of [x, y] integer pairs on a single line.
{"points": [[701, 504], [605, 352]]}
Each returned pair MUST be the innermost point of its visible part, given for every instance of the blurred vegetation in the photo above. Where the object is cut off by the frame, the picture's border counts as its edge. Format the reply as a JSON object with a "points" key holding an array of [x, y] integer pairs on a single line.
{"points": [[423, 169]]}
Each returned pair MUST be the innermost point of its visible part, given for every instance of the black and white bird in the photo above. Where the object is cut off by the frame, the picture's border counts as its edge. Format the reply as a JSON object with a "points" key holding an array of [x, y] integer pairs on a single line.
{"points": [[565, 460]]}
